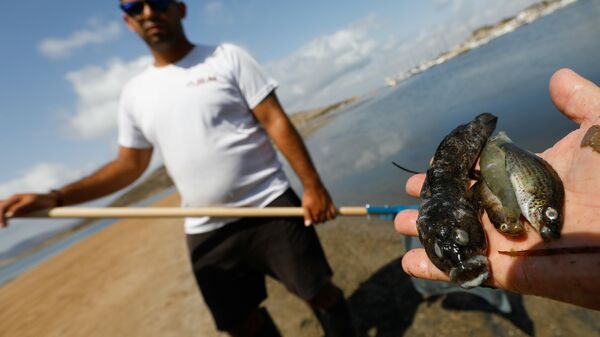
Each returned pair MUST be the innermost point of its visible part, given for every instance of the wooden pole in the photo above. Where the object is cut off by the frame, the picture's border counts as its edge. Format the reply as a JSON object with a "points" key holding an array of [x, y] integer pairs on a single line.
{"points": [[176, 212]]}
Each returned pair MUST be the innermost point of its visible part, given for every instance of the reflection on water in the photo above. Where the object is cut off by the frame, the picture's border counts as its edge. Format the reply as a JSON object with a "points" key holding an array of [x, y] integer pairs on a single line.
{"points": [[507, 77]]}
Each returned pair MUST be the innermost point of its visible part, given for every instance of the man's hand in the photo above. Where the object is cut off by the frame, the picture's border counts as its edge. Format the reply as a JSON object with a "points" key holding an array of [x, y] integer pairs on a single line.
{"points": [[318, 206], [573, 278], [20, 204]]}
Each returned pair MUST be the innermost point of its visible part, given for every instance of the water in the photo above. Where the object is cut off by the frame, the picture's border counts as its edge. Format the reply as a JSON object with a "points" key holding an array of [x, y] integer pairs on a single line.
{"points": [[508, 77]]}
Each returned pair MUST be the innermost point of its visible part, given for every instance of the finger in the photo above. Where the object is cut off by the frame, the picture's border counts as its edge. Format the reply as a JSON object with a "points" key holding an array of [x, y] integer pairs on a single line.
{"points": [[331, 212], [575, 96], [406, 222], [308, 218], [416, 263], [19, 207], [5, 212], [414, 184]]}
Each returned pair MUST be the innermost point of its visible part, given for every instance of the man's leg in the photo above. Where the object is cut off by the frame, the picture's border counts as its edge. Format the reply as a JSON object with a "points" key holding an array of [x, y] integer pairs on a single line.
{"points": [[295, 257], [231, 289], [331, 309]]}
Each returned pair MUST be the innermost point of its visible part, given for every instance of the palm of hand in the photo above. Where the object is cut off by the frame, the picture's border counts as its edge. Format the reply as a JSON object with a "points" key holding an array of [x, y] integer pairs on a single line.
{"points": [[576, 167], [572, 278]]}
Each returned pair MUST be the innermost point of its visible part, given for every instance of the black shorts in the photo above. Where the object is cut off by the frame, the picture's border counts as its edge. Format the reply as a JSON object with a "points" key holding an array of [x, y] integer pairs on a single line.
{"points": [[230, 263]]}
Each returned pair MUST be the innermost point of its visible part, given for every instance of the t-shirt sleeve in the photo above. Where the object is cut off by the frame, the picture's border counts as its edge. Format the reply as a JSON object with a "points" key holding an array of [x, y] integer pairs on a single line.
{"points": [[130, 135], [254, 84]]}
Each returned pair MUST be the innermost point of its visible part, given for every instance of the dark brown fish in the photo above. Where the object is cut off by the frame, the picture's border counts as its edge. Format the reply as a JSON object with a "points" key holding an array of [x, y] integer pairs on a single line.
{"points": [[448, 222], [592, 138]]}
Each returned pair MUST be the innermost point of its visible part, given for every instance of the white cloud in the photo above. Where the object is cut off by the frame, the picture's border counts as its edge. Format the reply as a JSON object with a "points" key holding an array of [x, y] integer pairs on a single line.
{"points": [[40, 178], [357, 59], [96, 33], [214, 12], [98, 91], [213, 7], [318, 65]]}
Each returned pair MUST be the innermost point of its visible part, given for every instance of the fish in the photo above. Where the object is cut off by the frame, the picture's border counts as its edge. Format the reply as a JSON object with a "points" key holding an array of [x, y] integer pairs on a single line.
{"points": [[495, 190], [538, 188], [448, 222], [592, 138]]}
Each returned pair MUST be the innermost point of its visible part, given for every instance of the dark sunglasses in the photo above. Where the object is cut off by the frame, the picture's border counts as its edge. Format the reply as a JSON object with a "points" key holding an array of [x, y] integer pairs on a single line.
{"points": [[135, 8]]}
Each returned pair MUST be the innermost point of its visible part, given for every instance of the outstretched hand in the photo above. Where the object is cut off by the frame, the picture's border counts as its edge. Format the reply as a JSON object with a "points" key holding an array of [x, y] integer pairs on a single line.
{"points": [[572, 278], [20, 204]]}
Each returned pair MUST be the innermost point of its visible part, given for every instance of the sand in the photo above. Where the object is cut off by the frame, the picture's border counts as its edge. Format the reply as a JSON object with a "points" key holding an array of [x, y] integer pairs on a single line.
{"points": [[133, 279]]}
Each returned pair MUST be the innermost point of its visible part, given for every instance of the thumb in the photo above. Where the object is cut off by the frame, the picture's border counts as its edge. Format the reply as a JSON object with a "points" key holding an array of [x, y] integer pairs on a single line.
{"points": [[575, 96], [308, 219]]}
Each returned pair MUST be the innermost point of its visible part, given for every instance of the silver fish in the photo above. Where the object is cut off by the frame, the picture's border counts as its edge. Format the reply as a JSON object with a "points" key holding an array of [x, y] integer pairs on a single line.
{"points": [[496, 192], [448, 222], [539, 190]]}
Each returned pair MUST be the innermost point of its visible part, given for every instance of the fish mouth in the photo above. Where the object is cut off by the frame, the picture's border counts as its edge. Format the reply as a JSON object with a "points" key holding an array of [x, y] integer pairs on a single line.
{"points": [[512, 229], [472, 273], [487, 117]]}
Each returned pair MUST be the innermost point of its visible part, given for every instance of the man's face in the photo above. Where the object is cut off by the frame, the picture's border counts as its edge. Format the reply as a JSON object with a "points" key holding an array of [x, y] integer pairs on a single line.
{"points": [[157, 22]]}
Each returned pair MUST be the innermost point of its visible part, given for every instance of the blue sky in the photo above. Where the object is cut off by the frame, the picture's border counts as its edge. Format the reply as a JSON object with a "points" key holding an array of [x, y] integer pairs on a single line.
{"points": [[64, 63]]}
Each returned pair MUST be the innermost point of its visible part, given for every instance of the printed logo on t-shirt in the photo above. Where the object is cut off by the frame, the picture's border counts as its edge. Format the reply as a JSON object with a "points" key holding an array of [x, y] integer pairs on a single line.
{"points": [[200, 81]]}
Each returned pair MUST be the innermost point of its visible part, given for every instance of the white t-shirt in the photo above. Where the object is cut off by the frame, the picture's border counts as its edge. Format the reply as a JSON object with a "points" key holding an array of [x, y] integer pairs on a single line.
{"points": [[197, 114]]}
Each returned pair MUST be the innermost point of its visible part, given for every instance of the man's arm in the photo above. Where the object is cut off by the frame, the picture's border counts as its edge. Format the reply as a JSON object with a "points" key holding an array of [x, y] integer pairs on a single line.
{"points": [[125, 169], [317, 204]]}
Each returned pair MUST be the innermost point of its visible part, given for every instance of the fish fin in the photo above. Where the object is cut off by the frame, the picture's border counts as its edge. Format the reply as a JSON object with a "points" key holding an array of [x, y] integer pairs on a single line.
{"points": [[592, 138], [405, 169]]}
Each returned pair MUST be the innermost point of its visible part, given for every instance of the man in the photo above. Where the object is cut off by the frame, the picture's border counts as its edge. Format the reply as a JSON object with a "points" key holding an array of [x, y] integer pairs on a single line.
{"points": [[210, 112]]}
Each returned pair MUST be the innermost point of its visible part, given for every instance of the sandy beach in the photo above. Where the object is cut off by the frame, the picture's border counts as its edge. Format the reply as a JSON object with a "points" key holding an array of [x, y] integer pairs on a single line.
{"points": [[133, 279]]}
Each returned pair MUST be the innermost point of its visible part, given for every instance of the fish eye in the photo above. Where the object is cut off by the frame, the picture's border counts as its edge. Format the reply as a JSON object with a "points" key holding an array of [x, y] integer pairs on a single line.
{"points": [[438, 250], [551, 213]]}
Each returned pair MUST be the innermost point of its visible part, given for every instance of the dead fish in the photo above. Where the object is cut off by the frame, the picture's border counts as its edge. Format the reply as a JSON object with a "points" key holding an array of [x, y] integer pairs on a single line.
{"points": [[496, 192], [448, 222], [539, 190], [592, 138]]}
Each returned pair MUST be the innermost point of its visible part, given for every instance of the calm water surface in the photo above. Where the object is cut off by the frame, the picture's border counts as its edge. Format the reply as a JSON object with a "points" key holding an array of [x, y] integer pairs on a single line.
{"points": [[507, 77]]}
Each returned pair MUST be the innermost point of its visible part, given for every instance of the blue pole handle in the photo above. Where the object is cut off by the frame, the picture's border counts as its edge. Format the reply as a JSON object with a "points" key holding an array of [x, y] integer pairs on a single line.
{"points": [[388, 211]]}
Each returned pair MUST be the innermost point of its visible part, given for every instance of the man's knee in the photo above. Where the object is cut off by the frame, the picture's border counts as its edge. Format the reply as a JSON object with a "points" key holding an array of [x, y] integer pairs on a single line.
{"points": [[333, 313]]}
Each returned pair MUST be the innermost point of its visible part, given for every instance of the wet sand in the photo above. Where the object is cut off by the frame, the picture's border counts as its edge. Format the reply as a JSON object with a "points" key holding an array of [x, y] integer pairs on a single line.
{"points": [[133, 279]]}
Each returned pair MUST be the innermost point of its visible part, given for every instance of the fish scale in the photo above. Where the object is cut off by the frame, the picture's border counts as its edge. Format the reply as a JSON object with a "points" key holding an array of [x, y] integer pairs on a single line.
{"points": [[495, 191], [538, 188], [448, 222]]}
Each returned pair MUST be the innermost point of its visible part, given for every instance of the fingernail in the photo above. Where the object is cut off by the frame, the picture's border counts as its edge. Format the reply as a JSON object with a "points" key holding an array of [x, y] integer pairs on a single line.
{"points": [[307, 223], [9, 214]]}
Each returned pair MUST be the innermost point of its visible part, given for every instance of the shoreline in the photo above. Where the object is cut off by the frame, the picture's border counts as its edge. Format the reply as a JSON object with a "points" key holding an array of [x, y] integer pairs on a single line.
{"points": [[484, 35]]}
